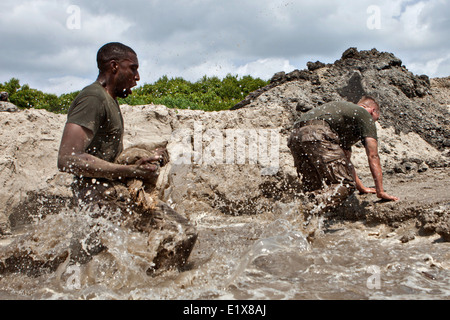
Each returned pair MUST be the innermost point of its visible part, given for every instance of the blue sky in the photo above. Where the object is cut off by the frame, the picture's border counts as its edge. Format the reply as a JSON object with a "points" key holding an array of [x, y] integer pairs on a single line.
{"points": [[51, 44]]}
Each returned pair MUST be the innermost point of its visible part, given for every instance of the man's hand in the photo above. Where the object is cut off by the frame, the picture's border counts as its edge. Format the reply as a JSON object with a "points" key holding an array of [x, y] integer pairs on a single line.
{"points": [[366, 190], [161, 157], [384, 196], [153, 160], [145, 169], [164, 156]]}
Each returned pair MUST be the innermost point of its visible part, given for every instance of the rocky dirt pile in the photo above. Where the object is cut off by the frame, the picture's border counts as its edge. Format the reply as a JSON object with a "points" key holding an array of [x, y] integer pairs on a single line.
{"points": [[409, 103], [237, 162]]}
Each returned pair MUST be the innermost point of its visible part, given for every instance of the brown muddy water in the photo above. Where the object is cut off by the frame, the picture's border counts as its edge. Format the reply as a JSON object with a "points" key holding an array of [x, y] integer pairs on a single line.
{"points": [[262, 257]]}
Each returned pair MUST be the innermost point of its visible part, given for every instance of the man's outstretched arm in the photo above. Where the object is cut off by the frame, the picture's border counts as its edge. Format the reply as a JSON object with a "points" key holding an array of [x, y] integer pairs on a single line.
{"points": [[371, 146]]}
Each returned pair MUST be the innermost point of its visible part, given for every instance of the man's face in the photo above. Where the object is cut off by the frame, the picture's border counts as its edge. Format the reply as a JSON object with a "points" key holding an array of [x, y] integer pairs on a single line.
{"points": [[127, 76]]}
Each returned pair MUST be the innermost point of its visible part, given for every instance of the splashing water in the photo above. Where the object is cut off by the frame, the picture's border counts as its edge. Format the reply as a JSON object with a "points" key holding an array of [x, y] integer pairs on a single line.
{"points": [[278, 237], [244, 257]]}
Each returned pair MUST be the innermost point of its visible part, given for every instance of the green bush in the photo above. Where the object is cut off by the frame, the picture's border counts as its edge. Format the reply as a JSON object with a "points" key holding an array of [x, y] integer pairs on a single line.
{"points": [[208, 93], [25, 97], [11, 86]]}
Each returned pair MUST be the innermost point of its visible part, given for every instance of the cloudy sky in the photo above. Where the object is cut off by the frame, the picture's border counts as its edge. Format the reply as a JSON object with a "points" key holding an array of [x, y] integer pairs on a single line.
{"points": [[52, 44]]}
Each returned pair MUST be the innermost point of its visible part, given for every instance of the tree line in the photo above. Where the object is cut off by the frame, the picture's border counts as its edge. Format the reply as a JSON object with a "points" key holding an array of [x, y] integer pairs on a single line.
{"points": [[208, 93]]}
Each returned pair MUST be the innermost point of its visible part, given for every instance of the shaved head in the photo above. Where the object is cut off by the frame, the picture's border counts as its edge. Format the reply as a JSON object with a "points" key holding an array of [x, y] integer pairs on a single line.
{"points": [[112, 51], [370, 101]]}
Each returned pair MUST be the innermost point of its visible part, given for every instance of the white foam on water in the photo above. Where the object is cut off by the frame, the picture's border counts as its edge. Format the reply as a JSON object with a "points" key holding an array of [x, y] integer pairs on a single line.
{"points": [[250, 257]]}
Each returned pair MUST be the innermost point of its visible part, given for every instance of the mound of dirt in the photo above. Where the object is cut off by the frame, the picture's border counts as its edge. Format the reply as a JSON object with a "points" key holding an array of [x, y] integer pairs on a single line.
{"points": [[409, 103]]}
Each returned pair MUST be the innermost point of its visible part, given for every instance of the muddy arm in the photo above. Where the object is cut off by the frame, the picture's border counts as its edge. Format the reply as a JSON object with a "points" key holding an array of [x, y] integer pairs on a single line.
{"points": [[72, 158], [371, 146], [359, 185]]}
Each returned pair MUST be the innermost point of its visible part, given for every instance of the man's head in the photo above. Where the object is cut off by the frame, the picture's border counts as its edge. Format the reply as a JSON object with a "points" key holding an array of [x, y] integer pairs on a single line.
{"points": [[120, 64], [371, 105]]}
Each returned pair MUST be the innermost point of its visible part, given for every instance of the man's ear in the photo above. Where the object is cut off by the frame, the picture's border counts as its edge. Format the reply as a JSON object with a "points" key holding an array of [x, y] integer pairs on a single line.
{"points": [[114, 66]]}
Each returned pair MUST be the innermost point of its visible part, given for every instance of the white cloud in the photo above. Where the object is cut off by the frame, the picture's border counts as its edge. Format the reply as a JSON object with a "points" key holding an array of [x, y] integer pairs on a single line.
{"points": [[65, 84], [432, 66], [206, 37], [265, 68], [414, 32]]}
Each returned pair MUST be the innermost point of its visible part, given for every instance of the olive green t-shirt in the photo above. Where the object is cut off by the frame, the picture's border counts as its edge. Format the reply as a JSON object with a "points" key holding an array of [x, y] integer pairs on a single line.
{"points": [[349, 121], [97, 111]]}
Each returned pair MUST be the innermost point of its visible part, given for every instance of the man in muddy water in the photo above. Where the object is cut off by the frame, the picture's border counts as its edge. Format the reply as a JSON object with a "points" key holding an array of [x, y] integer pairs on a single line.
{"points": [[93, 135], [321, 142], [92, 145]]}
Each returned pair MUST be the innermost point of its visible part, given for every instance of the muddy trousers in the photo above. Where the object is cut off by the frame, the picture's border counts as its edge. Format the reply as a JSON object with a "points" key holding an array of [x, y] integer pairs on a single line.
{"points": [[321, 163], [172, 233]]}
